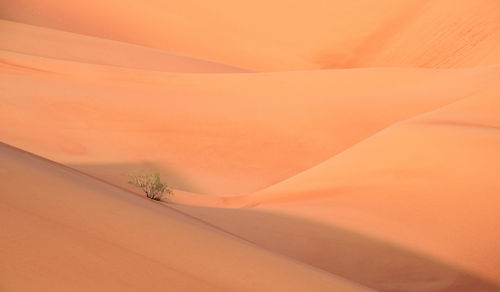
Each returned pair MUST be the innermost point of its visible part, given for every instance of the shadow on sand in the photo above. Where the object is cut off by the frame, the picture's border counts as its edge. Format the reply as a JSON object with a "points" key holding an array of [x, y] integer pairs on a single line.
{"points": [[357, 257]]}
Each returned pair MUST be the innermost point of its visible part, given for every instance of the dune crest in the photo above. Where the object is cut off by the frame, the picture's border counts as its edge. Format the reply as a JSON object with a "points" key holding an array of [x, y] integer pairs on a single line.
{"points": [[49, 43], [311, 145], [429, 183], [285, 35], [71, 232], [117, 116]]}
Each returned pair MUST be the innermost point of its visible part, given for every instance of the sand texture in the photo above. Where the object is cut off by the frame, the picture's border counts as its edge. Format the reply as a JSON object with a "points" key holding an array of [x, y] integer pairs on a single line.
{"points": [[311, 146]]}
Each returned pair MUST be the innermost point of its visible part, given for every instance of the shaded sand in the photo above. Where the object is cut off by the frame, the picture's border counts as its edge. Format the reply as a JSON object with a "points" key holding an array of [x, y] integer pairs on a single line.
{"points": [[65, 231], [37, 41], [384, 177], [285, 35], [219, 134], [356, 256], [429, 184]]}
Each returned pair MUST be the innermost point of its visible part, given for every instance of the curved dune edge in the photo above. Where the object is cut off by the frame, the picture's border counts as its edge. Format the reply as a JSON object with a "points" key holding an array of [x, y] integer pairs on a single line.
{"points": [[61, 45], [108, 120], [349, 252], [428, 184], [127, 244], [288, 175], [288, 36]]}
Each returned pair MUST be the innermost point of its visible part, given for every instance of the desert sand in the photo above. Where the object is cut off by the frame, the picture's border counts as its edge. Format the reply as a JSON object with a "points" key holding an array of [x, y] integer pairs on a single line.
{"points": [[319, 146], [284, 123], [419, 194], [66, 231], [49, 43], [284, 35]]}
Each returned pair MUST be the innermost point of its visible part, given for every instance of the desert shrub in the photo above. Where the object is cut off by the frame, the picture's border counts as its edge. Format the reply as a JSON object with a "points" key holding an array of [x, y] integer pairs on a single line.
{"points": [[150, 184]]}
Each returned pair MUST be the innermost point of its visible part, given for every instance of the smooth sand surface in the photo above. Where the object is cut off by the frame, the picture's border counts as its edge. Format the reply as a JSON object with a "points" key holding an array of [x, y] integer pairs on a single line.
{"points": [[288, 35], [430, 183], [65, 231], [349, 252], [319, 146], [412, 208], [50, 43], [204, 132]]}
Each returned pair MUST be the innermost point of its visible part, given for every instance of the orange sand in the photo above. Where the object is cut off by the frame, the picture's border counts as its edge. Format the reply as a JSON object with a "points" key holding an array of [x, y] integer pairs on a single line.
{"points": [[66, 231], [284, 35], [428, 185], [49, 43], [383, 175], [203, 131]]}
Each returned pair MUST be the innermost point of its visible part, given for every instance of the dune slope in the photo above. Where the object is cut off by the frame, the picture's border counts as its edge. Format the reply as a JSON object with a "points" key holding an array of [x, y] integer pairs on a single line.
{"points": [[412, 208], [65, 231], [50, 43], [348, 146], [219, 134], [285, 35], [428, 184], [348, 252]]}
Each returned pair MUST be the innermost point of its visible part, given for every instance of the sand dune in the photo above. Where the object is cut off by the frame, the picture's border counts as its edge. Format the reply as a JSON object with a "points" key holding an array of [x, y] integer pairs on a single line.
{"points": [[65, 231], [428, 184], [412, 208], [285, 35], [203, 132], [42, 42], [443, 34], [349, 252], [348, 146]]}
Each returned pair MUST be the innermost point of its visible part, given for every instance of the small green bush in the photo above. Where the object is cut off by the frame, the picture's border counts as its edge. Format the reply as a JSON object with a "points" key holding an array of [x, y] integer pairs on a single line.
{"points": [[150, 184]]}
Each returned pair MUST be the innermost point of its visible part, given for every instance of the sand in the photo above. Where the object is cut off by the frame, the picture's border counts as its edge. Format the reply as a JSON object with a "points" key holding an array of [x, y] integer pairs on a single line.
{"points": [[326, 146], [66, 231], [49, 43], [437, 193], [284, 35], [105, 119], [417, 202]]}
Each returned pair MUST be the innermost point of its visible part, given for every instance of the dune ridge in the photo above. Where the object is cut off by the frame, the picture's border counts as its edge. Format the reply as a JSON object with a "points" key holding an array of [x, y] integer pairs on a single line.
{"points": [[372, 261], [288, 36], [50, 43], [432, 219], [58, 240], [443, 207], [320, 207], [311, 113], [320, 146]]}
